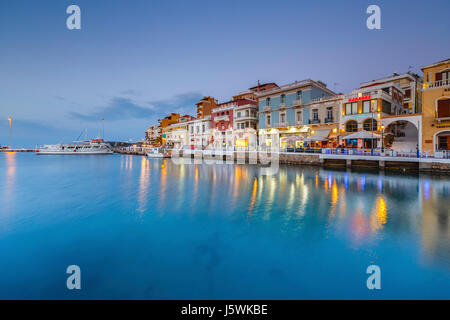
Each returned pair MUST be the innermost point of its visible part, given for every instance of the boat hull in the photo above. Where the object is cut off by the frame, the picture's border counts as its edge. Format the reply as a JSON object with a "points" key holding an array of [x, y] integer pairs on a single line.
{"points": [[78, 153]]}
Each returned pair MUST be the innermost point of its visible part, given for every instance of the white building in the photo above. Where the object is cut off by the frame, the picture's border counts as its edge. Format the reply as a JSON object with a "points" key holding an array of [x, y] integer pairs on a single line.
{"points": [[177, 135], [200, 132], [245, 126]]}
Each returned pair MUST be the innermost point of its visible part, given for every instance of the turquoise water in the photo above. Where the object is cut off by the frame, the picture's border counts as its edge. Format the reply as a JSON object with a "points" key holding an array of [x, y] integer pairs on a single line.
{"points": [[151, 229]]}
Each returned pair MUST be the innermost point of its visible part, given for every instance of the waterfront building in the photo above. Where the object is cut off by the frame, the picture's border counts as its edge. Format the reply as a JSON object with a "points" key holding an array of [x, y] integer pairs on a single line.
{"points": [[436, 108], [153, 135], [165, 123], [382, 113], [200, 132], [176, 134], [285, 114], [245, 123], [222, 125], [323, 122], [410, 83], [205, 106]]}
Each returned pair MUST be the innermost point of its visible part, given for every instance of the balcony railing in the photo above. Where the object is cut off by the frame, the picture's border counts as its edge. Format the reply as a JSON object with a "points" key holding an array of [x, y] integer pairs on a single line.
{"points": [[249, 117], [328, 120], [437, 84], [297, 102], [281, 124], [266, 108], [314, 121], [222, 118], [282, 105]]}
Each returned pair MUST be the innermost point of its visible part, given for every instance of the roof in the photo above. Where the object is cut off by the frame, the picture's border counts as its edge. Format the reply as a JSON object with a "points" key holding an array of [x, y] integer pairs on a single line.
{"points": [[263, 85], [363, 134], [436, 63], [319, 135]]}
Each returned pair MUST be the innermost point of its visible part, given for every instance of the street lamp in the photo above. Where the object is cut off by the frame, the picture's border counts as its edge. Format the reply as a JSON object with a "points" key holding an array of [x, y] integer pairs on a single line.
{"points": [[10, 132], [103, 128]]}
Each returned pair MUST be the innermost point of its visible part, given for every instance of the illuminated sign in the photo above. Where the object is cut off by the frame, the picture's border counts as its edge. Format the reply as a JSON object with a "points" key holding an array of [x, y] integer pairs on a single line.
{"points": [[359, 98], [241, 143]]}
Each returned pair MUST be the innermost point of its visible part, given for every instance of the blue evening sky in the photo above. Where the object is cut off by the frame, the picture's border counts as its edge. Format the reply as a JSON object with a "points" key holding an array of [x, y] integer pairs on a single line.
{"points": [[132, 62]]}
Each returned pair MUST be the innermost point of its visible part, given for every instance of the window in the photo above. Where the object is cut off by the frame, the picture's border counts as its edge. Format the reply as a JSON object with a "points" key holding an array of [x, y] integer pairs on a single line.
{"points": [[238, 114], [282, 117], [330, 113], [283, 98], [444, 142], [351, 126], [203, 128], [197, 129], [268, 120], [370, 125], [247, 113], [443, 108], [192, 129], [351, 108], [366, 106], [407, 93], [315, 114], [299, 95], [268, 102], [386, 107], [299, 116], [374, 105]]}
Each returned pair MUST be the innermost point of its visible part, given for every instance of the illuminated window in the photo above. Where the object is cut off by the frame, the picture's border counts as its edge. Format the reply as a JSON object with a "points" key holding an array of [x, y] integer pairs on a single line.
{"points": [[351, 126], [370, 125]]}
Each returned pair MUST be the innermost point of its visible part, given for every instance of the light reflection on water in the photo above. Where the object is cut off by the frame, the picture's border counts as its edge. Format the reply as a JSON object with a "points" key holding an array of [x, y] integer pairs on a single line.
{"points": [[278, 232]]}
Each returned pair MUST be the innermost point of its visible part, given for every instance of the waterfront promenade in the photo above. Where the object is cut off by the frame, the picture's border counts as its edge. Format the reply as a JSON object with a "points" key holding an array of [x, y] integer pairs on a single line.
{"points": [[340, 158]]}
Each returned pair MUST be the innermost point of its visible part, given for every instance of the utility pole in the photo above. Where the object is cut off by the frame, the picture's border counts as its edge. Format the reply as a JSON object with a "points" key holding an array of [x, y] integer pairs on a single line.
{"points": [[10, 132]]}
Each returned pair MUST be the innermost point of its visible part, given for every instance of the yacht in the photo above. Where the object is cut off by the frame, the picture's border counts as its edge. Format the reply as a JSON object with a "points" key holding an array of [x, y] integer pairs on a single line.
{"points": [[94, 146], [158, 153]]}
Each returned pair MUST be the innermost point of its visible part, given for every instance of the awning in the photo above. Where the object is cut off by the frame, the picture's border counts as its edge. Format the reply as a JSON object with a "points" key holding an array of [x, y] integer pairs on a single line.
{"points": [[319, 135], [292, 138], [363, 134], [304, 129]]}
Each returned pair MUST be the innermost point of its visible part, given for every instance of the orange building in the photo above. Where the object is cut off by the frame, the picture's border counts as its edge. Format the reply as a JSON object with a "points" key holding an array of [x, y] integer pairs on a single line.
{"points": [[204, 107], [436, 108]]}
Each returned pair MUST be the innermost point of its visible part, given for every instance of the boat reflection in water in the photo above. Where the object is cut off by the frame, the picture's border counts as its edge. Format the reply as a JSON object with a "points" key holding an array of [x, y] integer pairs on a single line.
{"points": [[224, 231]]}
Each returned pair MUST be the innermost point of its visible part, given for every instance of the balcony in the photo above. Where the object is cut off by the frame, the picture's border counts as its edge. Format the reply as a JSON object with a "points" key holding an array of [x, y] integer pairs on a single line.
{"points": [[222, 118], [328, 120], [281, 125], [246, 118], [314, 121], [437, 84], [266, 108], [247, 106], [297, 102], [282, 105]]}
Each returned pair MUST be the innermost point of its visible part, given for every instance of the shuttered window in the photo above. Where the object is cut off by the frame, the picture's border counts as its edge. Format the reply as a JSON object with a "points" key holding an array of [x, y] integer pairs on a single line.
{"points": [[443, 108]]}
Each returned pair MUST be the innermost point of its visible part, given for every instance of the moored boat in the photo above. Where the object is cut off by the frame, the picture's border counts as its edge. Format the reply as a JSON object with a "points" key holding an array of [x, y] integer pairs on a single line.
{"points": [[94, 146], [158, 153]]}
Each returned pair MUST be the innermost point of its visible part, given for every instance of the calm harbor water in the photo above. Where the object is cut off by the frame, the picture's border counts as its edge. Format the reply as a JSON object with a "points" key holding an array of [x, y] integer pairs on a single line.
{"points": [[149, 229]]}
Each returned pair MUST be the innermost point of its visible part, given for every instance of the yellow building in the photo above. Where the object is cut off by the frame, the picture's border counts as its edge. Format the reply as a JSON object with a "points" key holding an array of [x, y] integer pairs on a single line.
{"points": [[436, 108]]}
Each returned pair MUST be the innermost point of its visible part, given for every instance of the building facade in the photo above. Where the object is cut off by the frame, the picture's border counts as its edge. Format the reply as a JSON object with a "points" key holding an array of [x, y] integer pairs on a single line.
{"points": [[222, 119], [200, 133], [285, 114], [205, 106], [436, 108]]}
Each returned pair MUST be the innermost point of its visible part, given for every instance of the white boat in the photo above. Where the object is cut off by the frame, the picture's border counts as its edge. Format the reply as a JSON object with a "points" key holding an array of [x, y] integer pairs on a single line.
{"points": [[158, 153], [94, 146]]}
